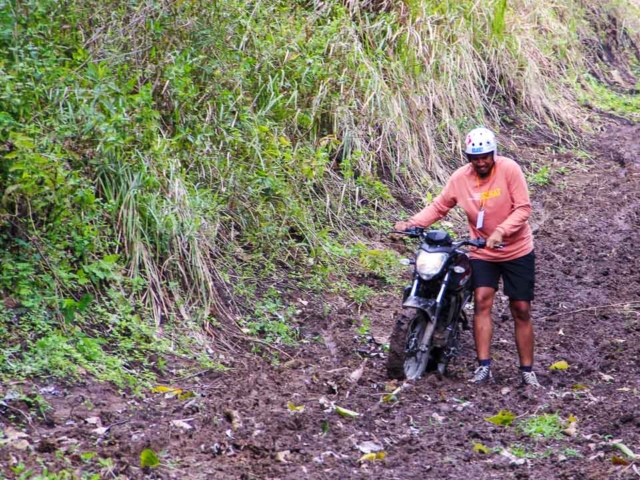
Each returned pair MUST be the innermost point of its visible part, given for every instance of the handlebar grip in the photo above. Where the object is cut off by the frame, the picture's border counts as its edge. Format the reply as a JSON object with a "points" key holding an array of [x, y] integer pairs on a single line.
{"points": [[411, 231]]}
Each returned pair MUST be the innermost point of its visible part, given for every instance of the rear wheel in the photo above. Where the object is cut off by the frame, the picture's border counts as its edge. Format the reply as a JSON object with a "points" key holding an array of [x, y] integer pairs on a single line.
{"points": [[406, 360]]}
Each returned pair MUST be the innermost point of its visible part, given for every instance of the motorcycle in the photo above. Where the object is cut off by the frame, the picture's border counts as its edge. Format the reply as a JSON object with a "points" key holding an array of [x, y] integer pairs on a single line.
{"points": [[427, 334]]}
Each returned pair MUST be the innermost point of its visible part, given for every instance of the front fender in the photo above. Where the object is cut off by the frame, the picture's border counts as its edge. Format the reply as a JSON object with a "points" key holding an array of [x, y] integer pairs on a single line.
{"points": [[427, 305]]}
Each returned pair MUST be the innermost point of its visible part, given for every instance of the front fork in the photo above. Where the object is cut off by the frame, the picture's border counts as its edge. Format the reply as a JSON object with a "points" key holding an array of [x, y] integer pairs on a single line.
{"points": [[431, 326]]}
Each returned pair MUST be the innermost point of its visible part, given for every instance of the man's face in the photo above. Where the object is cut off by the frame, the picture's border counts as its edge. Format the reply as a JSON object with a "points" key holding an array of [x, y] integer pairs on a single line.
{"points": [[482, 164]]}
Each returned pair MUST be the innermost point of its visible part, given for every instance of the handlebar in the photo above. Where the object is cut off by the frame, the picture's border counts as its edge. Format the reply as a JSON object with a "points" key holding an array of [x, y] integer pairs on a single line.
{"points": [[476, 242], [417, 232], [413, 232]]}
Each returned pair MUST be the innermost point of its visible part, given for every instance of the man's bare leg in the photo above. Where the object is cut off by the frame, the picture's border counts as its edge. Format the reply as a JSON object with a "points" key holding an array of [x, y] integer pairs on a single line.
{"points": [[521, 312], [482, 324]]}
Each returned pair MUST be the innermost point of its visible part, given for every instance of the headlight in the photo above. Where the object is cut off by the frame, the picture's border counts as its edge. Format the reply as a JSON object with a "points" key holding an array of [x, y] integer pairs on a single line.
{"points": [[429, 265]]}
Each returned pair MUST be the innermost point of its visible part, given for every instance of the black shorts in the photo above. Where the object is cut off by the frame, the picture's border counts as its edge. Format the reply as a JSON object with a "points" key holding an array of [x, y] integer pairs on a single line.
{"points": [[518, 276]]}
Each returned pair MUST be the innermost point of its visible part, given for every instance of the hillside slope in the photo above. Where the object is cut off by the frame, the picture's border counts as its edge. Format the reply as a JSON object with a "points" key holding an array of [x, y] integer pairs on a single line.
{"points": [[176, 172]]}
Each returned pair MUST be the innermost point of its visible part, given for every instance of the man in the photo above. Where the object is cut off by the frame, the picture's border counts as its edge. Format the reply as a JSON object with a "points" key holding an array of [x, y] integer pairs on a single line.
{"points": [[492, 191]]}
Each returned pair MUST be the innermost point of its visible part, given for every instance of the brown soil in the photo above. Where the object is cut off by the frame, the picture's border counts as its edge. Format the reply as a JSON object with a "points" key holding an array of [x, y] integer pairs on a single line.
{"points": [[587, 312]]}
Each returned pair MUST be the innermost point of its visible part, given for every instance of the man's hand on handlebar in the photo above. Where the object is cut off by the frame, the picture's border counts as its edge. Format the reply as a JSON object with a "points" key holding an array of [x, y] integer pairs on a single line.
{"points": [[495, 240], [402, 226]]}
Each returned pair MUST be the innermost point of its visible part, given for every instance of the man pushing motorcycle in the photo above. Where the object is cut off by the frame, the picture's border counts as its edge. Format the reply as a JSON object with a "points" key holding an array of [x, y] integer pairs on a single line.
{"points": [[493, 192]]}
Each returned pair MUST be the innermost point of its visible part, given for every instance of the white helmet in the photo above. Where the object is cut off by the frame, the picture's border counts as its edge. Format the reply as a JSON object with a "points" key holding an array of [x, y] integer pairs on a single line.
{"points": [[480, 141]]}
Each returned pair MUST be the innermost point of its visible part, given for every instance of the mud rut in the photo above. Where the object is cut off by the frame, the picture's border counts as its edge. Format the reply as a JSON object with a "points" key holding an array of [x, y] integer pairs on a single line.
{"points": [[587, 226]]}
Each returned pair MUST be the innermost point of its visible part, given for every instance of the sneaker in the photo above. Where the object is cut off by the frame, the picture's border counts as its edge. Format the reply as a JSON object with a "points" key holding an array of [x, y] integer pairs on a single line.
{"points": [[530, 379], [481, 376]]}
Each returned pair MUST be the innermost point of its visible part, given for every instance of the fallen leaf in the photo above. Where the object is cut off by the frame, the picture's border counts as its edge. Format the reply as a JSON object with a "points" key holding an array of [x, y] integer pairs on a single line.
{"points": [[165, 389], [626, 450], [93, 420], [295, 408], [572, 418], [234, 417], [389, 398], [346, 413], [100, 430], [438, 418], [605, 377], [393, 396], [292, 364], [480, 448], [20, 444], [463, 405], [512, 458], [504, 418], [571, 430], [616, 460], [12, 434], [370, 447], [181, 424], [186, 396], [560, 365], [282, 456], [579, 387], [331, 345], [357, 373], [371, 457], [148, 458], [391, 386]]}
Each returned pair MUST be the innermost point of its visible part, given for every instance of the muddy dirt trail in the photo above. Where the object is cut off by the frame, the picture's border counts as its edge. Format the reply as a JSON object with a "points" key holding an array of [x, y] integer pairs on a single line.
{"points": [[587, 312]]}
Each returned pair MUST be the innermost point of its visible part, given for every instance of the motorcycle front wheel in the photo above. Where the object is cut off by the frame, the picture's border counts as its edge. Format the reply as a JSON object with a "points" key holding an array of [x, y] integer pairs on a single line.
{"points": [[406, 360]]}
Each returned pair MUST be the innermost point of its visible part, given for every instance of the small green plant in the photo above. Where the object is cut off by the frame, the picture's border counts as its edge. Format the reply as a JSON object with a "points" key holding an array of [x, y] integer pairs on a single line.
{"points": [[365, 326], [547, 425], [540, 177], [272, 320], [522, 451], [571, 453], [382, 263], [361, 295]]}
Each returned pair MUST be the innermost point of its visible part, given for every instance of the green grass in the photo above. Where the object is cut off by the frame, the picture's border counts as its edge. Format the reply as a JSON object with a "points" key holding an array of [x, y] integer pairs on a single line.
{"points": [[607, 99], [547, 425]]}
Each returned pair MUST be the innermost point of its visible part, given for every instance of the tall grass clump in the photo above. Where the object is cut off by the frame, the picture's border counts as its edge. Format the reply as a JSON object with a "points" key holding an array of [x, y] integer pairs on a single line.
{"points": [[161, 159]]}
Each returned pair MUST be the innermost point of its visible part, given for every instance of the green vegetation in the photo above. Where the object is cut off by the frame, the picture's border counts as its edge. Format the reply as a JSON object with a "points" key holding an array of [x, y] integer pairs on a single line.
{"points": [[547, 425], [158, 158], [604, 98], [540, 177]]}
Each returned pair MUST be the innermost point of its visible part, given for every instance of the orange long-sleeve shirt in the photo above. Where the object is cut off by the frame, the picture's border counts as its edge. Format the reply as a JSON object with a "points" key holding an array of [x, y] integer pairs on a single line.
{"points": [[506, 205]]}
